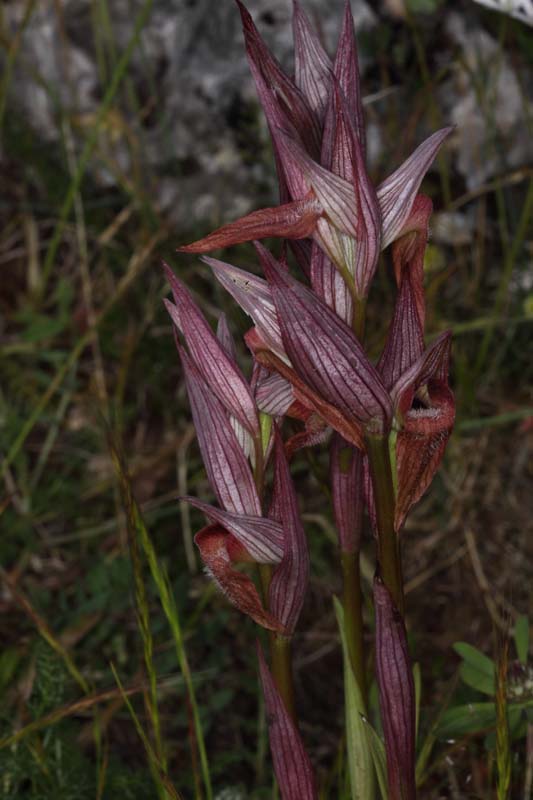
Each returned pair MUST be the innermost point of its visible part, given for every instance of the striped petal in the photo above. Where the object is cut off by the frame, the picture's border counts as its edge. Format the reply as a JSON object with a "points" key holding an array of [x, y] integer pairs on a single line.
{"points": [[226, 465], [408, 252], [217, 368], [262, 537], [346, 71], [312, 65], [275, 88], [346, 475], [397, 193], [405, 340], [396, 695], [329, 285], [291, 576], [292, 767], [324, 351], [254, 296]]}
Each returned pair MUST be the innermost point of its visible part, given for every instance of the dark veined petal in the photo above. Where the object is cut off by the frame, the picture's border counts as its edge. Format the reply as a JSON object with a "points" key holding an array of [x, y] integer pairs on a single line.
{"points": [[312, 65], [245, 439], [405, 340], [225, 338], [324, 351], [432, 364], [219, 371], [262, 537], [296, 220], [254, 296], [346, 475], [274, 395], [290, 578], [346, 71], [397, 193], [368, 211], [215, 545], [420, 447], [408, 252], [350, 429], [329, 285], [336, 195], [396, 695], [226, 465], [292, 767], [276, 88]]}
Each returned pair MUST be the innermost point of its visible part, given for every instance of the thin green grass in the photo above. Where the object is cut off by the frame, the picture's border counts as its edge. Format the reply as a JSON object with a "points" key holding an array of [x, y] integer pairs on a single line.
{"points": [[170, 610]]}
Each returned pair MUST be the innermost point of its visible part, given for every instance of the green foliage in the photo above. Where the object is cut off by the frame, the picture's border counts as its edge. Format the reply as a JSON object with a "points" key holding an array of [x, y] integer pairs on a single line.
{"points": [[365, 756], [477, 670], [521, 638]]}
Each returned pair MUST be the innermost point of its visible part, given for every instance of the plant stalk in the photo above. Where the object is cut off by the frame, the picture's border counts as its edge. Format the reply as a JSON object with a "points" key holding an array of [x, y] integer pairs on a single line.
{"points": [[352, 601], [280, 653], [389, 557]]}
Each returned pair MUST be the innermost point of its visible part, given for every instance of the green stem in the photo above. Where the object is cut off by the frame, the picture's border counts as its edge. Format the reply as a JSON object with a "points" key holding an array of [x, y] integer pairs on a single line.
{"points": [[280, 653], [388, 541], [353, 618]]}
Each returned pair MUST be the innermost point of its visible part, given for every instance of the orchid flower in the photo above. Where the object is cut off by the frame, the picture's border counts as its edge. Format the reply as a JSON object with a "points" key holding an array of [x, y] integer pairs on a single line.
{"points": [[300, 339], [223, 407], [317, 128]]}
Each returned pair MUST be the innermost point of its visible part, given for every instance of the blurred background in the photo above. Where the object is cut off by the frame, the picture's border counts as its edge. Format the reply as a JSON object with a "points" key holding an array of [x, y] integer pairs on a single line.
{"points": [[127, 128]]}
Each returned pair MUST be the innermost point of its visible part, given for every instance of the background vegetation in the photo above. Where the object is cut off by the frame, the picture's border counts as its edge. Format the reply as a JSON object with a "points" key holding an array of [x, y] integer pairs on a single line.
{"points": [[106, 629]]}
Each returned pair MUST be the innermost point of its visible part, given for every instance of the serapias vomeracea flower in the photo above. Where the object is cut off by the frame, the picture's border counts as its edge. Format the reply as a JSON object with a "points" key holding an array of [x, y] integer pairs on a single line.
{"points": [[227, 424], [297, 336], [317, 130]]}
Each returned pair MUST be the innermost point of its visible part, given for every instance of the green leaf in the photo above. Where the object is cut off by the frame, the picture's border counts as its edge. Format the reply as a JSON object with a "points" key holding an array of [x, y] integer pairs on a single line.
{"points": [[377, 750], [476, 679], [470, 718], [475, 718], [360, 760], [476, 659], [521, 638]]}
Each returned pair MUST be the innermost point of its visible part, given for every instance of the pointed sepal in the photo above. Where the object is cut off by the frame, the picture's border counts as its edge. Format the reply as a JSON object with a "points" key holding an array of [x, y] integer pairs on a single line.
{"points": [[397, 193], [295, 220]]}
